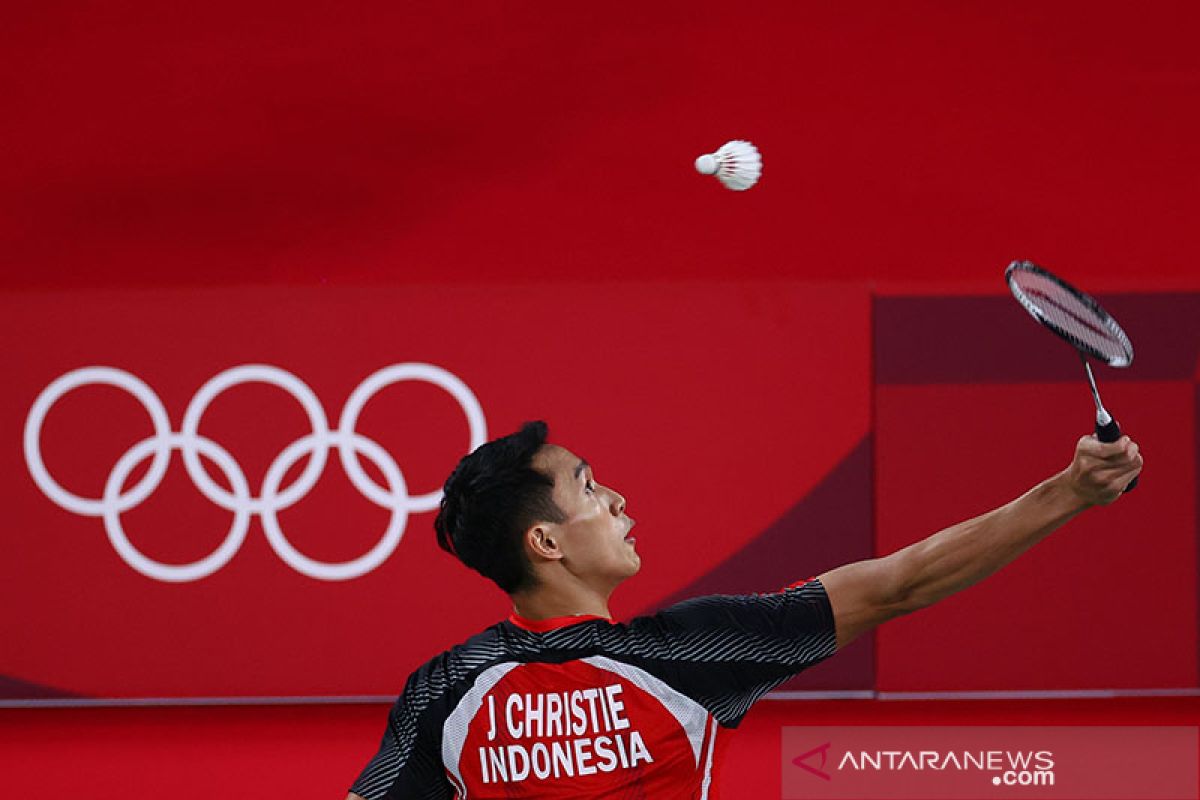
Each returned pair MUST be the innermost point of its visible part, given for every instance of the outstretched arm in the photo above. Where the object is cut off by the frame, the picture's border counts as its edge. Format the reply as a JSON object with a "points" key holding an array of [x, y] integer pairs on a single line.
{"points": [[867, 593]]}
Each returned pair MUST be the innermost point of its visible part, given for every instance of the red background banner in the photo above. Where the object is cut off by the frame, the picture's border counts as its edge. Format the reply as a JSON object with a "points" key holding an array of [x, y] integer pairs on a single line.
{"points": [[1129, 573], [689, 399]]}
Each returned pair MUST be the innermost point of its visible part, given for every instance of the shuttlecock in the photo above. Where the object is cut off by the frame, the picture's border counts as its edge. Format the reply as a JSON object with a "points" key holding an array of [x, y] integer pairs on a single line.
{"points": [[736, 164]]}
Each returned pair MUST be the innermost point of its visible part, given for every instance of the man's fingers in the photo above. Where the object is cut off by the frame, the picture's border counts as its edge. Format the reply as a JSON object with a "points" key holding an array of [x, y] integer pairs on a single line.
{"points": [[1102, 470], [1121, 467], [1121, 477], [1123, 450]]}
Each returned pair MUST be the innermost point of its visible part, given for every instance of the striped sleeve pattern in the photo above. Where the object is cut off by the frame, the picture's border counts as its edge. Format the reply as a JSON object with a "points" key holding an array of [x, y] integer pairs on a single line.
{"points": [[408, 763], [727, 651]]}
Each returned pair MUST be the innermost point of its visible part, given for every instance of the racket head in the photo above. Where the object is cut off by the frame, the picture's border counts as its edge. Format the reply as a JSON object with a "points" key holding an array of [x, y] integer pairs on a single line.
{"points": [[1072, 314]]}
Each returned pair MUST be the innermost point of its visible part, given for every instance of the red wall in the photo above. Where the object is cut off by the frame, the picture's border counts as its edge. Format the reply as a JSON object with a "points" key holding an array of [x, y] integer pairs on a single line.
{"points": [[271, 142], [963, 421]]}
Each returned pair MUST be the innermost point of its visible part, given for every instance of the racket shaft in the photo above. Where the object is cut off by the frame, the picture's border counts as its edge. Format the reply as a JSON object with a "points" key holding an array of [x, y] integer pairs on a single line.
{"points": [[1102, 417]]}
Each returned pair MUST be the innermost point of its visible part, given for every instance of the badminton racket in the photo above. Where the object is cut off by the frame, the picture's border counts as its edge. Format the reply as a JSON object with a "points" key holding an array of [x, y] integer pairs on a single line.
{"points": [[1080, 321]]}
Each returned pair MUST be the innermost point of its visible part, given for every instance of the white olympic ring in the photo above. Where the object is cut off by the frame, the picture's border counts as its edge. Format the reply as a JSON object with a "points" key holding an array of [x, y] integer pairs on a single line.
{"points": [[238, 498]]}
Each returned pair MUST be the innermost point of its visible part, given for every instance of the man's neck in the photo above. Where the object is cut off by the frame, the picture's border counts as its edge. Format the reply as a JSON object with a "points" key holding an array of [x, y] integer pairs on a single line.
{"points": [[548, 602]]}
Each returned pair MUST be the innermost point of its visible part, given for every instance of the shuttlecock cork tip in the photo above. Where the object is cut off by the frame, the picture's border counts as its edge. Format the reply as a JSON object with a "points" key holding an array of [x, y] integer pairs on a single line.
{"points": [[706, 164]]}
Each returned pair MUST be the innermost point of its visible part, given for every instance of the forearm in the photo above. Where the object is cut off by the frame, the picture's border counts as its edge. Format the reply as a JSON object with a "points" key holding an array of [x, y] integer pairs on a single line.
{"points": [[964, 554]]}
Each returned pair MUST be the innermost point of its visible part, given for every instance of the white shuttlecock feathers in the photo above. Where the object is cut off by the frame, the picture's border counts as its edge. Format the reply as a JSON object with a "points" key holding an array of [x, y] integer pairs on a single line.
{"points": [[736, 164]]}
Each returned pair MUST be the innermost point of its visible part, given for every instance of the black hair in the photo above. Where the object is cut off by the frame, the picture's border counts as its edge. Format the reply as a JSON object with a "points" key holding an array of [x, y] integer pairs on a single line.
{"points": [[490, 500]]}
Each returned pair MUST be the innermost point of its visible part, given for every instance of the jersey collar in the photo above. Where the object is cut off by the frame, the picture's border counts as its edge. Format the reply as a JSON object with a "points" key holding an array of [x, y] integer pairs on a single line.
{"points": [[553, 623]]}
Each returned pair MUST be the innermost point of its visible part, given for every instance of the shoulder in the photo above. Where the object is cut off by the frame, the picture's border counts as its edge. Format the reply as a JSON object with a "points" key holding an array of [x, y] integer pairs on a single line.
{"points": [[434, 687], [731, 610], [461, 661]]}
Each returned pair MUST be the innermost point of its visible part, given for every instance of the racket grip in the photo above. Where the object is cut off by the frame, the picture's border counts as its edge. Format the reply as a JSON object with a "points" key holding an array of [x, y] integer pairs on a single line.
{"points": [[1110, 433]]}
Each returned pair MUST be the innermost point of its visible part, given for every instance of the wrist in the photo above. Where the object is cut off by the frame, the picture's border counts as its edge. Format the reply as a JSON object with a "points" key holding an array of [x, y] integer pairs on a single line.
{"points": [[1065, 492]]}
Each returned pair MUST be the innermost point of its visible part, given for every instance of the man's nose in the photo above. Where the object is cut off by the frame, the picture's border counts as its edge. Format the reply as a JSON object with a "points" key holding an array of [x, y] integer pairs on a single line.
{"points": [[617, 505]]}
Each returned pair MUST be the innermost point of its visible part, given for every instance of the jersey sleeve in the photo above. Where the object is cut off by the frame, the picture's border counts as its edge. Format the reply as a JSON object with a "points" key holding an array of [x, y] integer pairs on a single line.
{"points": [[408, 764], [727, 651]]}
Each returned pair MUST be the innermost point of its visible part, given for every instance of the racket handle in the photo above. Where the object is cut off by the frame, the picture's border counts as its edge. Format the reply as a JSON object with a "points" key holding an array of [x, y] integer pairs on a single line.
{"points": [[1110, 433]]}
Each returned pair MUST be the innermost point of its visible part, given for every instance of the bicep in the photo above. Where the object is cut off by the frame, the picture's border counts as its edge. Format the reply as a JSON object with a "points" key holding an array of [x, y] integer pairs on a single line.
{"points": [[863, 595]]}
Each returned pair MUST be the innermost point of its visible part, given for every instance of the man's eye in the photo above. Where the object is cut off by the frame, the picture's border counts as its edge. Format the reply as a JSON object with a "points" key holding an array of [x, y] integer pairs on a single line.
{"points": [[590, 487]]}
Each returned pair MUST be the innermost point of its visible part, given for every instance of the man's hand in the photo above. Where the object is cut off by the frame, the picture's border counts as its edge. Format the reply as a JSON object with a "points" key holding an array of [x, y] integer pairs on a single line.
{"points": [[1100, 472]]}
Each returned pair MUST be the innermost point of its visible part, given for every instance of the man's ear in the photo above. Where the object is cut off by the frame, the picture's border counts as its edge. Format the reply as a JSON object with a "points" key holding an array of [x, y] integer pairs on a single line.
{"points": [[542, 542]]}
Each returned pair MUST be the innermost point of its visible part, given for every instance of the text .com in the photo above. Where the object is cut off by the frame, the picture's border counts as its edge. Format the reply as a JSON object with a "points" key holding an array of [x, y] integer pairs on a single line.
{"points": [[1024, 777]]}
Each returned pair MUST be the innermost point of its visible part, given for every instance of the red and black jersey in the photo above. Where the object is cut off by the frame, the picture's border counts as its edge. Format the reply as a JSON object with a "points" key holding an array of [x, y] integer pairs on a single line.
{"points": [[580, 707]]}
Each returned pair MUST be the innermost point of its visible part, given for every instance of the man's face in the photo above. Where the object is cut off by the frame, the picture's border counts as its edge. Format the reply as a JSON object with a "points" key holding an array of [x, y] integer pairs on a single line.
{"points": [[595, 538]]}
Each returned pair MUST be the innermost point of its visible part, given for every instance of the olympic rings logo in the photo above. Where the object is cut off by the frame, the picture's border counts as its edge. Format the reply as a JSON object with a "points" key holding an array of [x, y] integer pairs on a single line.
{"points": [[238, 499]]}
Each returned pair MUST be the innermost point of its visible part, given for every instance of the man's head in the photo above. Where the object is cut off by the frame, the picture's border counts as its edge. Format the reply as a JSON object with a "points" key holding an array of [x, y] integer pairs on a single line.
{"points": [[520, 511]]}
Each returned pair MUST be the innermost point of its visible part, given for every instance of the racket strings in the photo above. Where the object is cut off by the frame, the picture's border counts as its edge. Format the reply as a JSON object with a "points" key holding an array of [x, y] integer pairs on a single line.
{"points": [[1083, 324]]}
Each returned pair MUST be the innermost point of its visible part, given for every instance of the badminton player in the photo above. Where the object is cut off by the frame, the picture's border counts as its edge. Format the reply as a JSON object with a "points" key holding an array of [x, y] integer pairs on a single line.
{"points": [[560, 701]]}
